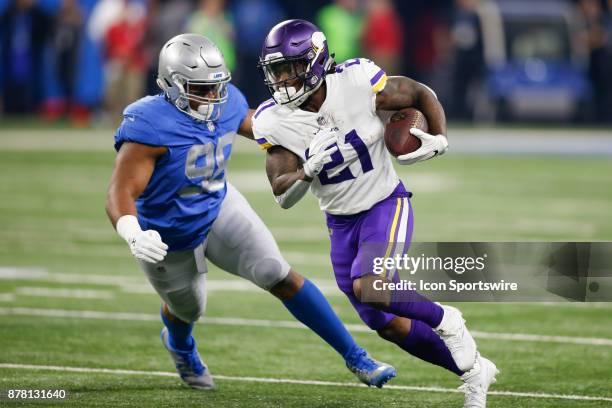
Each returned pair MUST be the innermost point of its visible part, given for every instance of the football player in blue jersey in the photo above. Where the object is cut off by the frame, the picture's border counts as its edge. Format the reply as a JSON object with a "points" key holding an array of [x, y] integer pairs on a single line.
{"points": [[168, 198]]}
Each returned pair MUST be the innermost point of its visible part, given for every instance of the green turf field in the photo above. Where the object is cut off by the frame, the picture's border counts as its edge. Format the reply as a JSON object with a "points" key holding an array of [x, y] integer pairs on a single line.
{"points": [[72, 297]]}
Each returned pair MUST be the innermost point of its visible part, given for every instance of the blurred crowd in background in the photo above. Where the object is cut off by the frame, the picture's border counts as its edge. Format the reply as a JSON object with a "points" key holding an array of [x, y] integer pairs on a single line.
{"points": [[488, 60]]}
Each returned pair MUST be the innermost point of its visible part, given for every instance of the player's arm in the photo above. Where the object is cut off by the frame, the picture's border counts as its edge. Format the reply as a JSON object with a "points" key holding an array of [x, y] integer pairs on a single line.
{"points": [[246, 127], [288, 180], [402, 92], [134, 166]]}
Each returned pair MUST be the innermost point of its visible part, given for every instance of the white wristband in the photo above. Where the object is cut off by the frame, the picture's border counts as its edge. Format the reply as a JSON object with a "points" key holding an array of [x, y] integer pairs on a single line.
{"points": [[293, 194], [307, 170], [128, 227]]}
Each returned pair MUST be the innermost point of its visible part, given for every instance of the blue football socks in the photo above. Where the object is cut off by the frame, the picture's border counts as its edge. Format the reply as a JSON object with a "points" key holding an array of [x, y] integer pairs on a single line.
{"points": [[310, 307], [179, 331]]}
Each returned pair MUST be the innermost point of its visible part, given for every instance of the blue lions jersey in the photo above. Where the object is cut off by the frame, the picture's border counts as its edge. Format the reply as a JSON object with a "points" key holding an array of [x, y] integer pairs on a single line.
{"points": [[187, 186]]}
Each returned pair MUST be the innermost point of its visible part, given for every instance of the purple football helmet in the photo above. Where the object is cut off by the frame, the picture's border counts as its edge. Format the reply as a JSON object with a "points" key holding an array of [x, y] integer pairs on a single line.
{"points": [[294, 54]]}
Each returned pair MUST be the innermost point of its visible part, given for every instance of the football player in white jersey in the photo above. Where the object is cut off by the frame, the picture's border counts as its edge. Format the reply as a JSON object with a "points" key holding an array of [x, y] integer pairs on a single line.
{"points": [[322, 132]]}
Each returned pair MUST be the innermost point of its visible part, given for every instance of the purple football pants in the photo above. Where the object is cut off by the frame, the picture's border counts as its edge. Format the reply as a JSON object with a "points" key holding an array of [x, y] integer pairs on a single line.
{"points": [[383, 230]]}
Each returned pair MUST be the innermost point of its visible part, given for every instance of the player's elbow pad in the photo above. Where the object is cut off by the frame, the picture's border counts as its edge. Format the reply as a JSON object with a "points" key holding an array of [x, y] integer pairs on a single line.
{"points": [[293, 194]]}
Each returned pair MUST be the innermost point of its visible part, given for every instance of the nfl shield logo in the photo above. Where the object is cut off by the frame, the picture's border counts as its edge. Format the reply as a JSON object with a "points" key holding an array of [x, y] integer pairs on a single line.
{"points": [[321, 121]]}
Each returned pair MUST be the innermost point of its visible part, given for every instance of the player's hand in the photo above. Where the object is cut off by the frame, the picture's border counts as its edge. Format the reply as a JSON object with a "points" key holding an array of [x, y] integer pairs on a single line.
{"points": [[148, 246], [321, 149], [145, 245], [323, 139], [431, 146], [315, 163]]}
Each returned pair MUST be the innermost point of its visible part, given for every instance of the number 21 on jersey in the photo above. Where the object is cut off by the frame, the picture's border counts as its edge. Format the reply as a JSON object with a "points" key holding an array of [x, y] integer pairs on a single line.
{"points": [[337, 159]]}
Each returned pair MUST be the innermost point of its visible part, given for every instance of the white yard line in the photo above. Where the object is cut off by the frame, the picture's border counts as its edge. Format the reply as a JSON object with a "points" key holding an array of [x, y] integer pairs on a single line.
{"points": [[138, 284], [37, 291], [301, 382], [592, 341], [241, 322], [42, 275]]}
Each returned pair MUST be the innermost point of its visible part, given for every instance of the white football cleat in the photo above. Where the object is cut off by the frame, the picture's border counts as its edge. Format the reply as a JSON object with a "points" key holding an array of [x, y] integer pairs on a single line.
{"points": [[189, 365], [457, 338], [477, 382]]}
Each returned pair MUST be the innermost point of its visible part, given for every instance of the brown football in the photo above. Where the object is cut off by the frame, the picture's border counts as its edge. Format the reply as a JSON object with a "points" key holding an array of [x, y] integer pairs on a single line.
{"points": [[398, 138]]}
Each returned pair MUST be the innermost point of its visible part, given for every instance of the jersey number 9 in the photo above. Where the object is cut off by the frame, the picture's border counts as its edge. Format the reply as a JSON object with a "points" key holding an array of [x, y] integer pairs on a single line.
{"points": [[207, 161]]}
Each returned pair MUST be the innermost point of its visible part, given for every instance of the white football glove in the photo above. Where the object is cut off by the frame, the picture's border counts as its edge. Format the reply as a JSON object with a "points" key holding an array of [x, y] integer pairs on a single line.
{"points": [[320, 151], [350, 154], [145, 245], [431, 145], [323, 139]]}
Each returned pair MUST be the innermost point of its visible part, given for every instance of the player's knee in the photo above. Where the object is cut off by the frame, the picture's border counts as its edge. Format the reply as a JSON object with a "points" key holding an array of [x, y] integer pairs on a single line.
{"points": [[365, 290], [187, 305], [189, 314], [396, 330], [195, 314], [357, 288], [268, 272]]}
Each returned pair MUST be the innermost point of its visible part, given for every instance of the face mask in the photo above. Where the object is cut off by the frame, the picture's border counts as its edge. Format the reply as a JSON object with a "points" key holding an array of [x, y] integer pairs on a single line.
{"points": [[284, 96], [206, 110]]}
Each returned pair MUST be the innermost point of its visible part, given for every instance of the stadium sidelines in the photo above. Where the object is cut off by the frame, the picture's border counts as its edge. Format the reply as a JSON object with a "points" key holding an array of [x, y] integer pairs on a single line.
{"points": [[236, 321], [301, 382]]}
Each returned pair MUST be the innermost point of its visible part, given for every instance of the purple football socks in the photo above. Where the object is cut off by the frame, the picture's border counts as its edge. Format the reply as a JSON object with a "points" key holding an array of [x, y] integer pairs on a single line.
{"points": [[425, 344], [415, 306]]}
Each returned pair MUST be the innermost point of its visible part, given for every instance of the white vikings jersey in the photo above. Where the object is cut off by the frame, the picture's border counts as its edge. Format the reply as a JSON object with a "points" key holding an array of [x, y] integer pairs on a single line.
{"points": [[349, 106]]}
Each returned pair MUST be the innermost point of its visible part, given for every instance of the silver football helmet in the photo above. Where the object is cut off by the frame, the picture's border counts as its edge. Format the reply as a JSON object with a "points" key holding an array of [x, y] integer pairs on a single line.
{"points": [[193, 75]]}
